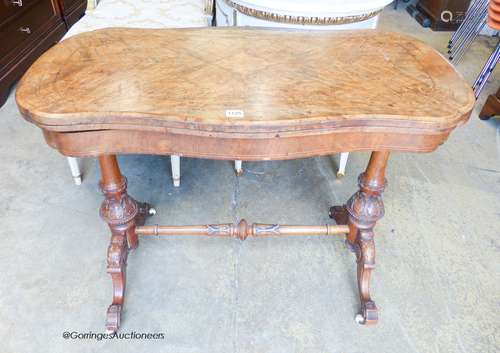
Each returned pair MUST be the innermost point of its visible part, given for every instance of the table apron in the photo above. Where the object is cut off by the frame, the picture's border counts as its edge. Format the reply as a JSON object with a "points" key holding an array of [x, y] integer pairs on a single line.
{"points": [[101, 142]]}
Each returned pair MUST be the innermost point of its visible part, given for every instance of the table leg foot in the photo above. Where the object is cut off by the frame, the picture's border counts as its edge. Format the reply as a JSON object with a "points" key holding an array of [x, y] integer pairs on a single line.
{"points": [[365, 256], [113, 317], [117, 264], [363, 210], [122, 213], [368, 315]]}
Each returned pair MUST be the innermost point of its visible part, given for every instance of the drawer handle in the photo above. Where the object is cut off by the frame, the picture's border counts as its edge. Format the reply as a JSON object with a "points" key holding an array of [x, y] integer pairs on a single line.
{"points": [[25, 30], [17, 2]]}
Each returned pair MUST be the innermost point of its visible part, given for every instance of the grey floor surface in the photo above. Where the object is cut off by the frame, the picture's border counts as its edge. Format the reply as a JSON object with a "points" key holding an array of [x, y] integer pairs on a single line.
{"points": [[437, 280]]}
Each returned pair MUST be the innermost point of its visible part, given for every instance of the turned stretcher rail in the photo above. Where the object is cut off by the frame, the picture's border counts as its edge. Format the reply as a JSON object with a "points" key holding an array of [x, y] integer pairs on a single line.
{"points": [[242, 230]]}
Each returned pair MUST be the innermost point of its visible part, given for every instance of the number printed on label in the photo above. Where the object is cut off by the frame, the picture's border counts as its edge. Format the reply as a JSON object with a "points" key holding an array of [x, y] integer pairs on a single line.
{"points": [[235, 113]]}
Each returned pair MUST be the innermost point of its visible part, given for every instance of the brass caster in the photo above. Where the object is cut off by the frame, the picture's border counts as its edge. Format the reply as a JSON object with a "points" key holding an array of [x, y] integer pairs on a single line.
{"points": [[368, 315], [360, 320]]}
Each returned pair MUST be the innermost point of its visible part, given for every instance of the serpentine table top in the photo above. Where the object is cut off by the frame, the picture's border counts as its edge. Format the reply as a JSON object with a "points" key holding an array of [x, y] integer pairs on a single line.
{"points": [[290, 94], [284, 84]]}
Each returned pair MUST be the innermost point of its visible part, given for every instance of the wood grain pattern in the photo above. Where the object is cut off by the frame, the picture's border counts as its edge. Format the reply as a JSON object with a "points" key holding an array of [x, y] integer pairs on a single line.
{"points": [[276, 147], [243, 230], [302, 93], [284, 81]]}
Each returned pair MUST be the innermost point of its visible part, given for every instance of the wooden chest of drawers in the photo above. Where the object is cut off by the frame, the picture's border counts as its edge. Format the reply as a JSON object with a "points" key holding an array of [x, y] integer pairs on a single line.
{"points": [[72, 10], [445, 15], [27, 29]]}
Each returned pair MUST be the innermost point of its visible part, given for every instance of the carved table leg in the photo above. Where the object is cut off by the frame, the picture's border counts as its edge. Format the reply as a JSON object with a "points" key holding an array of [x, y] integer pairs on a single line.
{"points": [[122, 213], [363, 210]]}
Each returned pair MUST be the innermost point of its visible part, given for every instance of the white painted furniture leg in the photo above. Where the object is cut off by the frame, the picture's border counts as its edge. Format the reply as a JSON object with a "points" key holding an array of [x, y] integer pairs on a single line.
{"points": [[175, 162], [343, 162], [238, 168], [75, 170]]}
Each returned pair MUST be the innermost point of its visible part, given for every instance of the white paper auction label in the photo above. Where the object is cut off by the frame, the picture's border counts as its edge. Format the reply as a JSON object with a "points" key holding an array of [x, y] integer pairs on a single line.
{"points": [[235, 113]]}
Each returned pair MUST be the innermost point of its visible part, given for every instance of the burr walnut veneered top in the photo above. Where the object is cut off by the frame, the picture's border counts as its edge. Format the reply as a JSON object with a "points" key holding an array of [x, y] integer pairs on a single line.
{"points": [[243, 80]]}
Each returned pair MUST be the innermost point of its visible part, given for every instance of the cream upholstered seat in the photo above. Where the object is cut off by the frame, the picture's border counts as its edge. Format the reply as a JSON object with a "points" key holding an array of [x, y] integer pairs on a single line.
{"points": [[143, 14]]}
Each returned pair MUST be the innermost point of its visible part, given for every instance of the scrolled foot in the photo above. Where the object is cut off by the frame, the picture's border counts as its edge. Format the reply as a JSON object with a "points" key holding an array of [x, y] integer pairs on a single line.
{"points": [[113, 317], [340, 175], [368, 315]]}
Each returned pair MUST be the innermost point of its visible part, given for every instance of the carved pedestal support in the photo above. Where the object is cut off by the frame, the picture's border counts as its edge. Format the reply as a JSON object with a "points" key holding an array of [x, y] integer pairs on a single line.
{"points": [[122, 213], [361, 212]]}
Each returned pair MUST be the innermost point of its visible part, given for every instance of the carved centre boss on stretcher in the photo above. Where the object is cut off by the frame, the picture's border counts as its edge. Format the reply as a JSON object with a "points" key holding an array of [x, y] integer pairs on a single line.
{"points": [[296, 94]]}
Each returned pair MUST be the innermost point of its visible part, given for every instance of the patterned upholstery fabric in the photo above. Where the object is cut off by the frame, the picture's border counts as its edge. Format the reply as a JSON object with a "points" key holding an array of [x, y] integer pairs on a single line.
{"points": [[143, 14]]}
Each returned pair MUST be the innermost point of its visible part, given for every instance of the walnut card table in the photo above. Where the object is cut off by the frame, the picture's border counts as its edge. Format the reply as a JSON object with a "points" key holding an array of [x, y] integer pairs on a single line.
{"points": [[122, 91]]}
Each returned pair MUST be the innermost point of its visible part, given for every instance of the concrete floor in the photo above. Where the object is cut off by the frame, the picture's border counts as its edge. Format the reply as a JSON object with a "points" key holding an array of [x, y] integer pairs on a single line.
{"points": [[436, 284]]}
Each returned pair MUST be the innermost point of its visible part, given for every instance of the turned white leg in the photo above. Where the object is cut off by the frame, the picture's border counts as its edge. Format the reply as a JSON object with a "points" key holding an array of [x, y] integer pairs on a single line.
{"points": [[75, 170], [175, 162], [343, 162], [238, 167]]}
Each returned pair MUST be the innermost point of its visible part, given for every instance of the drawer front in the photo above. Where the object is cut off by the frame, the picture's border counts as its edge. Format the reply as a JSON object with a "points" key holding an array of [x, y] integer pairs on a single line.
{"points": [[10, 8], [21, 28]]}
